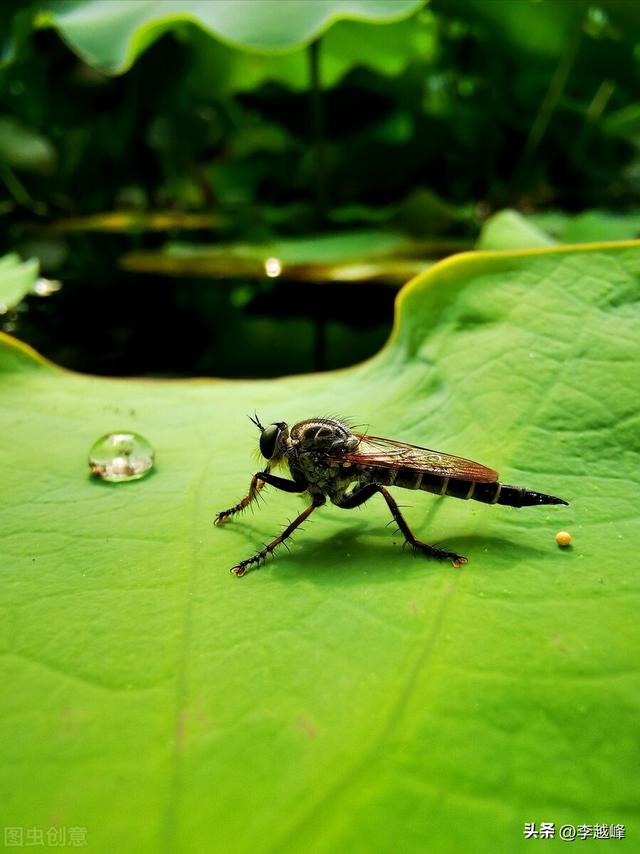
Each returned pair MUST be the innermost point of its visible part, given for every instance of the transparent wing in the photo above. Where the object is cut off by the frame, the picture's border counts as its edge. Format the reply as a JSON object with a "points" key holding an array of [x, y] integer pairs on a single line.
{"points": [[387, 453]]}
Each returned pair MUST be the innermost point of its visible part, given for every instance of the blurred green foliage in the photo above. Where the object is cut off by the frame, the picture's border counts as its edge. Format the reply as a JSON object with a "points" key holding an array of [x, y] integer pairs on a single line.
{"points": [[17, 279], [125, 124]]}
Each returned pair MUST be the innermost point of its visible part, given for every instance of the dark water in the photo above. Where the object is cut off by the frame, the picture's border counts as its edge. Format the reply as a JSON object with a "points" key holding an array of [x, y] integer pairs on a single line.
{"points": [[110, 322]]}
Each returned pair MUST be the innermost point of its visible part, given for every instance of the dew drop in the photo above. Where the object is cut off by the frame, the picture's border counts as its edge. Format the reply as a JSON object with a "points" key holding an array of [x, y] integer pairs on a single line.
{"points": [[121, 456]]}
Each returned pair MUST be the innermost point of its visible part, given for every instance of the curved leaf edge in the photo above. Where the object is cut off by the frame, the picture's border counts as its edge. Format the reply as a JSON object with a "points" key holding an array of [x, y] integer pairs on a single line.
{"points": [[146, 34], [436, 276]]}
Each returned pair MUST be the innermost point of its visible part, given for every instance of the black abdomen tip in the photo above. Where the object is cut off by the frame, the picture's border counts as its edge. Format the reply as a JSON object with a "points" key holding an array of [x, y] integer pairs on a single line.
{"points": [[541, 498], [515, 496]]}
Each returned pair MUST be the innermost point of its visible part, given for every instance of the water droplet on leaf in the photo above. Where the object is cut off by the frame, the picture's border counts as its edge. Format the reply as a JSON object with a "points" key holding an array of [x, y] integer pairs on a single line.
{"points": [[121, 456]]}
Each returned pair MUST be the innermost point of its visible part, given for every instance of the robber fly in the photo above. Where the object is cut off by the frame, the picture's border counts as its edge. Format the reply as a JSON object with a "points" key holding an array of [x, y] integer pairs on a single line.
{"points": [[327, 459]]}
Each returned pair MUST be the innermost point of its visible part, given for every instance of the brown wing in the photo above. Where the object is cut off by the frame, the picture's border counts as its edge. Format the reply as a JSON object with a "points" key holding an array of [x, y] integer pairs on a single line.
{"points": [[387, 453]]}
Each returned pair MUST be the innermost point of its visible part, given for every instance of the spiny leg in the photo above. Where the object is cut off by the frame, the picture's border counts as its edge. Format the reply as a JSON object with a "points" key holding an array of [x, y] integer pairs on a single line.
{"points": [[256, 485], [359, 496], [241, 568], [257, 482], [440, 554]]}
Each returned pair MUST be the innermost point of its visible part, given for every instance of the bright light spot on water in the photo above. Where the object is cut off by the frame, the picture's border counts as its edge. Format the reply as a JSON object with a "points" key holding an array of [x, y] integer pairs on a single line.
{"points": [[45, 287], [272, 267]]}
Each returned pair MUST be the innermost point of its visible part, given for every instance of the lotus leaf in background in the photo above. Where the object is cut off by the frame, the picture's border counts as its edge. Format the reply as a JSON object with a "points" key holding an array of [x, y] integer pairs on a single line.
{"points": [[17, 279], [367, 256], [110, 35], [348, 695], [509, 229], [132, 222]]}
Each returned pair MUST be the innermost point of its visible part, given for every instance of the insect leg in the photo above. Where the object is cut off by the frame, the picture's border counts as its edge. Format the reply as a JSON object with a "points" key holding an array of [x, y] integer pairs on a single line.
{"points": [[241, 568], [256, 485], [282, 483], [358, 497], [440, 554], [257, 482]]}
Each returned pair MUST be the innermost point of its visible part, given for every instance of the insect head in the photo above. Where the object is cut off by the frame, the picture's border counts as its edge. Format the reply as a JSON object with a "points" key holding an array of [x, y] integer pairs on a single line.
{"points": [[269, 436]]}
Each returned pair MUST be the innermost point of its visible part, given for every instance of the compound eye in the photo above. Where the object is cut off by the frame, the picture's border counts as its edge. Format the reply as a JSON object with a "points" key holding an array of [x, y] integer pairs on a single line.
{"points": [[268, 439]]}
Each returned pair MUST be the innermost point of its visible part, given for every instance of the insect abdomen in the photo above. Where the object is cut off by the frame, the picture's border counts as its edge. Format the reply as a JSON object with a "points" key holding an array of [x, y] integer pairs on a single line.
{"points": [[414, 478], [488, 493], [447, 486], [518, 496], [405, 477]]}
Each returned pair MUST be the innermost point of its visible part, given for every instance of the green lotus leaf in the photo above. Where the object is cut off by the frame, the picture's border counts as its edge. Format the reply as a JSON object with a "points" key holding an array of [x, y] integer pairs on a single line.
{"points": [[592, 225], [355, 256], [17, 279], [385, 50], [509, 229], [349, 696], [110, 34]]}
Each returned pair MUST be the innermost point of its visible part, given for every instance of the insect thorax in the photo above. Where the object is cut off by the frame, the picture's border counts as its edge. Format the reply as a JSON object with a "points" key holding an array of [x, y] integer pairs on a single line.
{"points": [[313, 446]]}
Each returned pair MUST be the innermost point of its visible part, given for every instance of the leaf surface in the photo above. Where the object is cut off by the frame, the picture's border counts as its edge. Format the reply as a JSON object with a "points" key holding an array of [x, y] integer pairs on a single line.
{"points": [[348, 695]]}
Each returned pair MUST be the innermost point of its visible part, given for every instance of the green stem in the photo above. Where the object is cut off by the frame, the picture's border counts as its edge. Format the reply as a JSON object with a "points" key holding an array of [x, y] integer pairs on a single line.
{"points": [[550, 101], [15, 187], [593, 115]]}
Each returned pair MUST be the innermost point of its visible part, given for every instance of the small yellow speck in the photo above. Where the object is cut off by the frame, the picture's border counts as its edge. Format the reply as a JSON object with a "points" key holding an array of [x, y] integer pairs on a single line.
{"points": [[563, 538], [346, 465]]}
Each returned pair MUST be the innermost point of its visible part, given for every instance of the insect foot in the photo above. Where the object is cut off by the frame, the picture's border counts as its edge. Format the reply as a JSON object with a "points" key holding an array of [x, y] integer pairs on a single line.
{"points": [[243, 567], [221, 518], [239, 571], [440, 554]]}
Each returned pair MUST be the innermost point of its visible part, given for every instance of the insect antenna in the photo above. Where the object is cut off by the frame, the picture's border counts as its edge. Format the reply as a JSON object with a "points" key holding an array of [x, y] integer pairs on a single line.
{"points": [[256, 421]]}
